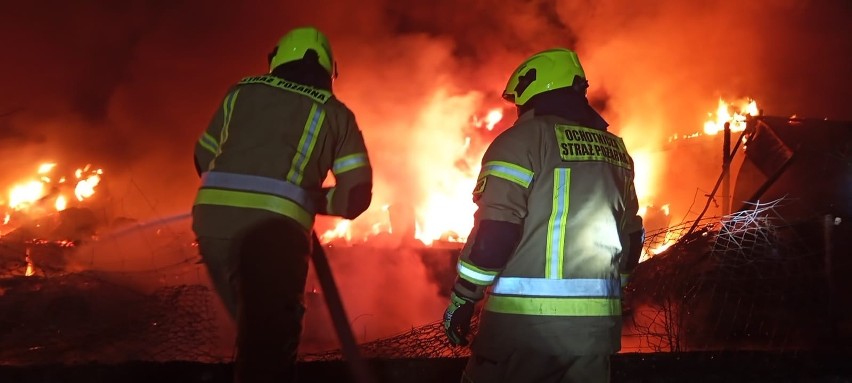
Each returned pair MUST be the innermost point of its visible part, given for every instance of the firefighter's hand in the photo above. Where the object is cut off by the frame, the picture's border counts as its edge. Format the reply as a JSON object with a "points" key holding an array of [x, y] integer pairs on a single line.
{"points": [[457, 319]]}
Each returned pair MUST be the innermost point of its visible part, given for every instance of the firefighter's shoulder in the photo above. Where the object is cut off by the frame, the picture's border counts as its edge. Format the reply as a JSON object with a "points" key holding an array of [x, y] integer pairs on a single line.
{"points": [[519, 137]]}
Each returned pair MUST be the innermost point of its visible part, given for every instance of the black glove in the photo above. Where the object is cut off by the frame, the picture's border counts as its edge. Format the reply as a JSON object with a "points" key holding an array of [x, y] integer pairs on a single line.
{"points": [[457, 319]]}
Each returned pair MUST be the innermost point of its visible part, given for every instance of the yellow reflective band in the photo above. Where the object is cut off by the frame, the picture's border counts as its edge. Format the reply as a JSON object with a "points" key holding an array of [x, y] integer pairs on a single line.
{"points": [[228, 110], [507, 171], [550, 306], [350, 162], [475, 275], [266, 202], [318, 95], [306, 144], [228, 107], [558, 224], [577, 143], [625, 197], [209, 143]]}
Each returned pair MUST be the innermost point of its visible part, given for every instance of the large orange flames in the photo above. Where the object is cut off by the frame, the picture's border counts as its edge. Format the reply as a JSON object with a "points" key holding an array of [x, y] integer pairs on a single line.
{"points": [[46, 192], [446, 213], [734, 113]]}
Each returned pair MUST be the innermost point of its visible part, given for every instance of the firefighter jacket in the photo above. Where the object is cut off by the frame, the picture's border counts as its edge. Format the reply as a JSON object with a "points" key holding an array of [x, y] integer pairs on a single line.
{"points": [[570, 190], [267, 151]]}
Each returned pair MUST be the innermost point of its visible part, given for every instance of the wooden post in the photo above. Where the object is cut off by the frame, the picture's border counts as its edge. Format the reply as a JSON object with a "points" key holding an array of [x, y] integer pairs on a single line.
{"points": [[726, 170]]}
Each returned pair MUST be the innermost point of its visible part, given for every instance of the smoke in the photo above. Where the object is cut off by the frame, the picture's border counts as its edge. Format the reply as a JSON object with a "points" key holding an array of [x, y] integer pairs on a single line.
{"points": [[130, 86], [661, 67]]}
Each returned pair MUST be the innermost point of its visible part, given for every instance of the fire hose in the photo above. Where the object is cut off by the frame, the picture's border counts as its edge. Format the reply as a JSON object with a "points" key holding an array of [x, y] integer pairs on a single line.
{"points": [[357, 365]]}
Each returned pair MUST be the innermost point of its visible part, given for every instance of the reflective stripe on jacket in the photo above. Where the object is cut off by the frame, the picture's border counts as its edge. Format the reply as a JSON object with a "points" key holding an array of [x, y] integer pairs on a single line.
{"points": [[271, 145], [247, 191], [571, 189]]}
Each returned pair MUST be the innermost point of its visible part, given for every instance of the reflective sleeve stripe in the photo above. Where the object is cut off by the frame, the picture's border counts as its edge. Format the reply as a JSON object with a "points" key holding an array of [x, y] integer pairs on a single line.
{"points": [[590, 287], [252, 183], [209, 143], [475, 275], [350, 162], [548, 306], [228, 110], [266, 202], [507, 171], [306, 144], [228, 107], [557, 225]]}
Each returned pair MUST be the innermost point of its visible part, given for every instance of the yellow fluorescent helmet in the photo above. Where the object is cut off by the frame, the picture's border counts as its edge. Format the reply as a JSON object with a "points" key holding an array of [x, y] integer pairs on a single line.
{"points": [[547, 70], [294, 44]]}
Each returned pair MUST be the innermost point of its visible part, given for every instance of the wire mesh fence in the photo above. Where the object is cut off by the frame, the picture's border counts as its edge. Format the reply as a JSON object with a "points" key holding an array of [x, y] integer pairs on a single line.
{"points": [[747, 281]]}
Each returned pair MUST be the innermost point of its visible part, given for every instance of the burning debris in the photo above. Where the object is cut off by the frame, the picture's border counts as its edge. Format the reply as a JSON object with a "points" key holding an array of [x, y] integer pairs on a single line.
{"points": [[45, 216]]}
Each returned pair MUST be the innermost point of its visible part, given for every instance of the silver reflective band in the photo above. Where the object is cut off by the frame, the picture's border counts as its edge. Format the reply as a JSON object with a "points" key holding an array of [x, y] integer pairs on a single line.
{"points": [[258, 184], [512, 172], [473, 274], [349, 162], [558, 287]]}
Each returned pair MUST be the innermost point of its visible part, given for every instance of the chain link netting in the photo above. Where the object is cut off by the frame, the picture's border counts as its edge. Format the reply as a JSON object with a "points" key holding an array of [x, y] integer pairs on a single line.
{"points": [[746, 281], [749, 280]]}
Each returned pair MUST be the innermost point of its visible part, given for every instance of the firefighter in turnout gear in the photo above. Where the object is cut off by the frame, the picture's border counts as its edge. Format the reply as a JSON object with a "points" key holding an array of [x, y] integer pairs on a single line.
{"points": [[262, 162], [556, 234]]}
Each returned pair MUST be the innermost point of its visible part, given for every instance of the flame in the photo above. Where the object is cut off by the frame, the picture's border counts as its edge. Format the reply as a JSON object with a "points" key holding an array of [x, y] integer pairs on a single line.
{"points": [[86, 186], [61, 203], [448, 215], [45, 168], [30, 267], [445, 211], [23, 195], [734, 113], [46, 190], [669, 239], [342, 230], [491, 119]]}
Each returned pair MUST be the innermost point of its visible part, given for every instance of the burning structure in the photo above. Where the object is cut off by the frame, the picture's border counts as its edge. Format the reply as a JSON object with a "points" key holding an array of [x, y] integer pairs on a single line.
{"points": [[422, 85], [766, 275]]}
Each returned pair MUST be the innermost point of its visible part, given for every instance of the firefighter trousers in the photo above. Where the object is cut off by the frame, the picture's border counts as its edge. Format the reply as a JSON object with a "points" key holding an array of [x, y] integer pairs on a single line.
{"points": [[260, 277], [528, 366]]}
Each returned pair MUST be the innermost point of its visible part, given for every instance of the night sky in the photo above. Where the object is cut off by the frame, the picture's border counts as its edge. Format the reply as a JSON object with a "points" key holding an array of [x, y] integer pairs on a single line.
{"points": [[130, 85]]}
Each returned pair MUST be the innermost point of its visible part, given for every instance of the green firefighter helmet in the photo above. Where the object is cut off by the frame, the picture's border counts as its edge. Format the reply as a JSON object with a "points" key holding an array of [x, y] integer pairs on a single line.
{"points": [[544, 71], [297, 42]]}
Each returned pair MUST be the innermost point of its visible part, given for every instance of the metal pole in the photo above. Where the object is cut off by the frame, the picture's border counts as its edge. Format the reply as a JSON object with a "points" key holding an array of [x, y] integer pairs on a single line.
{"points": [[715, 189], [726, 170], [828, 250], [358, 366]]}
